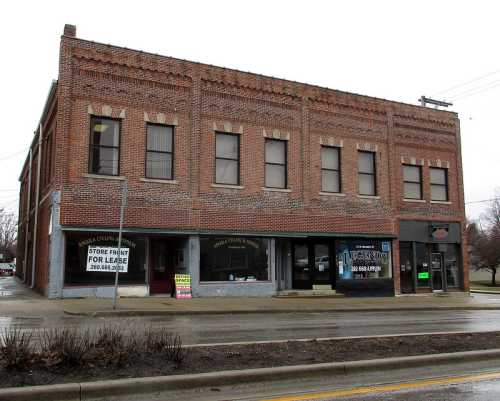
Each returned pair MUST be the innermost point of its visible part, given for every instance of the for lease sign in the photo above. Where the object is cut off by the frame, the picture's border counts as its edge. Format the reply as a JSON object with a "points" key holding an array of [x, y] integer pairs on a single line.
{"points": [[105, 259]]}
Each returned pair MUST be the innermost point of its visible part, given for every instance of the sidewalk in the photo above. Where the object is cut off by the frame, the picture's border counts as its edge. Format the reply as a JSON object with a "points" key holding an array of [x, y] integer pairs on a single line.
{"points": [[169, 306], [98, 307]]}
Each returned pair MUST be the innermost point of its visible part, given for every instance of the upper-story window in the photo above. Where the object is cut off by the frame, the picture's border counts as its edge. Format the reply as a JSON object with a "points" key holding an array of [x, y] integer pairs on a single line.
{"points": [[367, 183], [104, 154], [227, 159], [330, 169], [160, 152], [412, 182], [276, 164], [439, 184]]}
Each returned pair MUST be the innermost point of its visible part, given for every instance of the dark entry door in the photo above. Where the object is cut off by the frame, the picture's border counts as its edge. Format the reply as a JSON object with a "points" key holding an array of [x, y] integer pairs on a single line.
{"points": [[407, 272], [311, 264], [437, 271], [162, 267], [302, 274]]}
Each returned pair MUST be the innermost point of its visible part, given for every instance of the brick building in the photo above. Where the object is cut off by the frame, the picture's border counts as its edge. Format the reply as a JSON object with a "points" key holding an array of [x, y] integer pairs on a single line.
{"points": [[251, 184]]}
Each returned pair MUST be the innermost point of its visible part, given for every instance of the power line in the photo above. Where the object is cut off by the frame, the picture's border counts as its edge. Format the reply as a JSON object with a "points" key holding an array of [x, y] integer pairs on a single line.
{"points": [[467, 82], [479, 91], [13, 155], [482, 201]]}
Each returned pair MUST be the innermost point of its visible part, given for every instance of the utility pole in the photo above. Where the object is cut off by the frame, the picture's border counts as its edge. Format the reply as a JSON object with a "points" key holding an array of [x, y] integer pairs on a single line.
{"points": [[122, 214], [427, 100]]}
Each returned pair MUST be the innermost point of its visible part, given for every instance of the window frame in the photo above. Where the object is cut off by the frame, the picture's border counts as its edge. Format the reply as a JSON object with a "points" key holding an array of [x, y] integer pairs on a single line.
{"points": [[92, 145], [172, 153], [285, 143], [374, 174], [339, 169], [413, 182], [445, 185], [238, 181]]}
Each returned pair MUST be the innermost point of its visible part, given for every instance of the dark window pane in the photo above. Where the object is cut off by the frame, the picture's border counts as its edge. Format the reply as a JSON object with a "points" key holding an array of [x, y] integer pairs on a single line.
{"points": [[275, 151], [275, 176], [451, 266], [330, 181], [437, 176], [234, 259], [438, 193], [411, 173], [104, 160], [366, 162], [226, 171], [329, 158], [159, 165], [105, 132], [412, 190], [76, 259], [159, 138], [226, 146], [366, 183]]}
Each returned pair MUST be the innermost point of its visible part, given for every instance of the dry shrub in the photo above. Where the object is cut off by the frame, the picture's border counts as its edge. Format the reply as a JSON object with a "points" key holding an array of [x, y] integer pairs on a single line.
{"points": [[160, 340], [15, 348], [66, 346]]}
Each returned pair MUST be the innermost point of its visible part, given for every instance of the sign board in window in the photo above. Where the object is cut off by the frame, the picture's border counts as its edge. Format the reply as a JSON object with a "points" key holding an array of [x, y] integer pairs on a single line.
{"points": [[364, 259], [105, 259], [423, 275], [182, 285]]}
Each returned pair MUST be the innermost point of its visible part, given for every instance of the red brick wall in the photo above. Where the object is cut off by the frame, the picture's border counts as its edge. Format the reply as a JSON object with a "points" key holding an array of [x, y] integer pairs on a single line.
{"points": [[200, 100], [203, 99]]}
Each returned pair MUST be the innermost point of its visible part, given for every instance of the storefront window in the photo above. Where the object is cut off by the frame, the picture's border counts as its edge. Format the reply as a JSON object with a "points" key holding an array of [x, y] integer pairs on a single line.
{"points": [[234, 259], [77, 255], [364, 259], [422, 259]]}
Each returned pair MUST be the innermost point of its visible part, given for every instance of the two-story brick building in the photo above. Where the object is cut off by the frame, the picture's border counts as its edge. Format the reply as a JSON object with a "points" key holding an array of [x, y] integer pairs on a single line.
{"points": [[251, 184]]}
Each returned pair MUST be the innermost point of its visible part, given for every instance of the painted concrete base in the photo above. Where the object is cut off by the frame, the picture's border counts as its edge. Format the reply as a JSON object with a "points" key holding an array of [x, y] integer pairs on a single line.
{"points": [[254, 289], [105, 292]]}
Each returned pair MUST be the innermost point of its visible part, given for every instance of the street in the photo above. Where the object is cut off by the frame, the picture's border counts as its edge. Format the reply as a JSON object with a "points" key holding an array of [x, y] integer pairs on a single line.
{"points": [[466, 381], [222, 328]]}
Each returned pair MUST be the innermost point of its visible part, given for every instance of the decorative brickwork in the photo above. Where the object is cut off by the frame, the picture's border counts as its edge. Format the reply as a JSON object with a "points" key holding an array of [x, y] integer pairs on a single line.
{"points": [[199, 100]]}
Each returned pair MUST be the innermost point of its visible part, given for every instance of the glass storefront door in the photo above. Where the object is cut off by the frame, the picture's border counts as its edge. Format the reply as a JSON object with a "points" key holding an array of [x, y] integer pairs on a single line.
{"points": [[437, 271], [311, 264]]}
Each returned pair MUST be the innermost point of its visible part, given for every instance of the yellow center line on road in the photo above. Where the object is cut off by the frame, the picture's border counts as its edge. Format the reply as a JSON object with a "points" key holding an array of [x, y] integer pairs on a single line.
{"points": [[387, 387]]}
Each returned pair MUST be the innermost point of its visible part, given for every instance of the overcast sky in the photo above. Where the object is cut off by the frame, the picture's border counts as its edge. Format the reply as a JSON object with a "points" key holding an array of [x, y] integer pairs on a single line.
{"points": [[397, 50]]}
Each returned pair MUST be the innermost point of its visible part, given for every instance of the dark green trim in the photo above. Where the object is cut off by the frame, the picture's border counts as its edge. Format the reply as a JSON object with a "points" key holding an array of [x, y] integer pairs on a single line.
{"points": [[228, 232]]}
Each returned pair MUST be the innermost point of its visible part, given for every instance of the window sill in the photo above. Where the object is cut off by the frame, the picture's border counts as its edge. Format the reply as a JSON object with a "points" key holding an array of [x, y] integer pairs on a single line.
{"points": [[276, 189], [235, 282], [414, 200], [331, 193], [105, 177], [227, 186], [158, 180], [368, 196], [441, 202]]}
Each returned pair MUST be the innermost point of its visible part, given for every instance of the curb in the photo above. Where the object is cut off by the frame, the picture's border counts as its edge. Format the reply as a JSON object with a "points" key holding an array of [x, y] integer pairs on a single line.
{"points": [[103, 390], [485, 292], [162, 312]]}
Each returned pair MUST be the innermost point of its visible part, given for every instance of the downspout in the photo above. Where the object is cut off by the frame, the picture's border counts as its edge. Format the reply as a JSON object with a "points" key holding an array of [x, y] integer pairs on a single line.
{"points": [[37, 198], [28, 206]]}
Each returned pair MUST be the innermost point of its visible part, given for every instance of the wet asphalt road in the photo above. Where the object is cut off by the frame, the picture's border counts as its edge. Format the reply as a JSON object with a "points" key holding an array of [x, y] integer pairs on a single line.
{"points": [[203, 329], [477, 391]]}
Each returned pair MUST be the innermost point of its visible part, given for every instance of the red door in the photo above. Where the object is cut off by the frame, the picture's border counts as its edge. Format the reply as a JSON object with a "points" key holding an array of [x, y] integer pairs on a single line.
{"points": [[162, 267]]}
